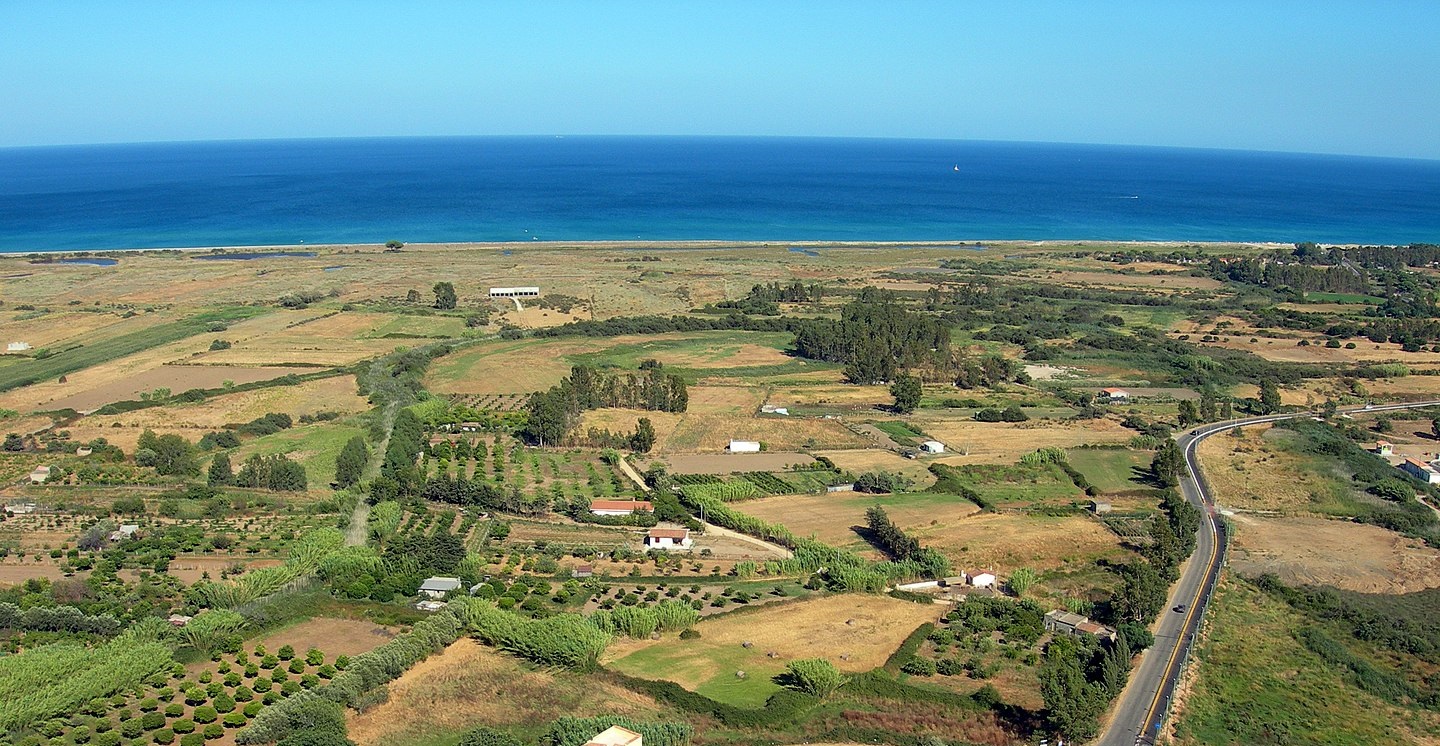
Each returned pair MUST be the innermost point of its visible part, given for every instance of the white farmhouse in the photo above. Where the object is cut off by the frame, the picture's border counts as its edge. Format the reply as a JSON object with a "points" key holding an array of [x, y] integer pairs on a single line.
{"points": [[668, 538], [743, 446], [932, 446]]}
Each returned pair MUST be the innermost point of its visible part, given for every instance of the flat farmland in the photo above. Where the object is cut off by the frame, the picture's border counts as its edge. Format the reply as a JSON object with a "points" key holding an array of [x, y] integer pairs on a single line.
{"points": [[177, 378], [1168, 281], [864, 629], [712, 433], [1318, 551], [63, 328], [335, 394], [861, 460], [469, 684], [1005, 541], [334, 636], [310, 338], [528, 532], [1002, 442], [831, 517], [113, 359], [1112, 470]]}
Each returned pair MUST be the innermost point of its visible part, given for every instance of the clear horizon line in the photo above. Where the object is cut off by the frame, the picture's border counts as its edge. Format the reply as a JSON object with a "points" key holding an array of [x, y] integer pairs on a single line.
{"points": [[878, 138]]}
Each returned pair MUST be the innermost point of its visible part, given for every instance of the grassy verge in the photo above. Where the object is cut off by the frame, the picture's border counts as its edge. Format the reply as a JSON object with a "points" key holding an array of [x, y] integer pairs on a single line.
{"points": [[1257, 684]]}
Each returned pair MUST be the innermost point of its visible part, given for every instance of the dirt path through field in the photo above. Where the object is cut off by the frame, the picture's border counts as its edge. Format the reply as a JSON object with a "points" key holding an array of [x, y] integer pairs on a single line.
{"points": [[635, 477], [359, 522]]}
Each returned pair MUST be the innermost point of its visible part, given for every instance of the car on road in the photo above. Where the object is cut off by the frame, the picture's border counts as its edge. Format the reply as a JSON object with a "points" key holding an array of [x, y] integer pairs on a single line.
{"points": [[1179, 608]]}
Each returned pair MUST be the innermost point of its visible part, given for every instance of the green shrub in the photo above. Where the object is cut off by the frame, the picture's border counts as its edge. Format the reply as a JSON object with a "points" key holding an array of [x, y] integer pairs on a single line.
{"points": [[205, 714], [183, 726], [149, 705], [152, 720], [214, 731], [252, 709], [131, 728], [244, 694], [484, 736], [174, 710], [108, 738], [919, 666], [235, 719], [164, 736], [224, 703], [286, 652], [193, 739]]}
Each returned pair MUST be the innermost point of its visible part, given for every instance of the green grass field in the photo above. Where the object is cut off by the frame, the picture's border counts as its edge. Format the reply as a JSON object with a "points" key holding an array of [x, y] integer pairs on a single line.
{"points": [[1257, 684], [442, 327], [715, 668], [1343, 298], [104, 350], [1111, 470], [316, 446], [901, 432], [1019, 484]]}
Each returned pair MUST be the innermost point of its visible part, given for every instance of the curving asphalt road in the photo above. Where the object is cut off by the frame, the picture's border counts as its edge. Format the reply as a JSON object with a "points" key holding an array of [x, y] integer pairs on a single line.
{"points": [[1140, 711]]}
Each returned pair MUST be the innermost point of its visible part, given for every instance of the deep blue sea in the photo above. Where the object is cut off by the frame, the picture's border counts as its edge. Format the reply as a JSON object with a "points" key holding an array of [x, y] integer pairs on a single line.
{"points": [[655, 188]]}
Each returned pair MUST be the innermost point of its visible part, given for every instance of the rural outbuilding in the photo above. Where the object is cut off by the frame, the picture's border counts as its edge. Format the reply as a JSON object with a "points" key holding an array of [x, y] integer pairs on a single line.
{"points": [[583, 571], [980, 578], [619, 507], [1420, 470], [517, 292], [126, 531], [437, 587], [1114, 394], [743, 446], [932, 446], [1097, 507], [40, 474], [1384, 448], [668, 538], [616, 736], [17, 347]]}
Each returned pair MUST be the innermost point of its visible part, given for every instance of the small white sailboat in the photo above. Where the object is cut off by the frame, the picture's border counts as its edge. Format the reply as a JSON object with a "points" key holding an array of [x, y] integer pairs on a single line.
{"points": [[957, 168]]}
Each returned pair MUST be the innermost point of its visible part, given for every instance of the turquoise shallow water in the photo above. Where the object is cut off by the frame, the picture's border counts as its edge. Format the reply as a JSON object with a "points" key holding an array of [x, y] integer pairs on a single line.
{"points": [[617, 188]]}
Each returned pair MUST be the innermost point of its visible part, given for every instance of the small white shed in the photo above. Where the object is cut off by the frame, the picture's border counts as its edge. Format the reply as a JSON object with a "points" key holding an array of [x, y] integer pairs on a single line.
{"points": [[980, 579], [932, 446], [743, 446]]}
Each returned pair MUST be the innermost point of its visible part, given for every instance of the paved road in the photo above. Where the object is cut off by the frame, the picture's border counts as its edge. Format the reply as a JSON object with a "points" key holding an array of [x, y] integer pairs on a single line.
{"points": [[1141, 709]]}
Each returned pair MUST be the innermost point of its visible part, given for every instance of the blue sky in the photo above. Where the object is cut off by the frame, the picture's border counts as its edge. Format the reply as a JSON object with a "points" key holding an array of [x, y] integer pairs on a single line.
{"points": [[1335, 77]]}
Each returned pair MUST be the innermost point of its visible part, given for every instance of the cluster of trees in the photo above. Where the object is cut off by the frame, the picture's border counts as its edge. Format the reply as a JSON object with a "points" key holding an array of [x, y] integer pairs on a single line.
{"points": [[1272, 272], [764, 300], [169, 454], [350, 464], [399, 472], [555, 413], [1078, 678], [275, 472], [1012, 413], [988, 371], [882, 482], [56, 619], [814, 676], [266, 424], [567, 640], [888, 537], [875, 337], [907, 392]]}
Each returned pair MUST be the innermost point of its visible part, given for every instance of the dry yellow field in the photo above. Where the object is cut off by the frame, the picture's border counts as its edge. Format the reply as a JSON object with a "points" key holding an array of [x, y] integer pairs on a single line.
{"points": [[837, 394], [1004, 541], [63, 328], [335, 394], [469, 685], [1318, 551], [972, 442], [1168, 281], [712, 433], [1251, 472], [859, 461], [856, 632], [832, 517]]}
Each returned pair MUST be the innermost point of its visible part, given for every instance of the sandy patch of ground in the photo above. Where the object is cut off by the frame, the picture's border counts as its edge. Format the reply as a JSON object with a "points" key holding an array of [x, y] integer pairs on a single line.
{"points": [[972, 442], [727, 463], [1317, 551], [533, 317], [333, 636], [1051, 372], [15, 573], [190, 569], [469, 685], [724, 399]]}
